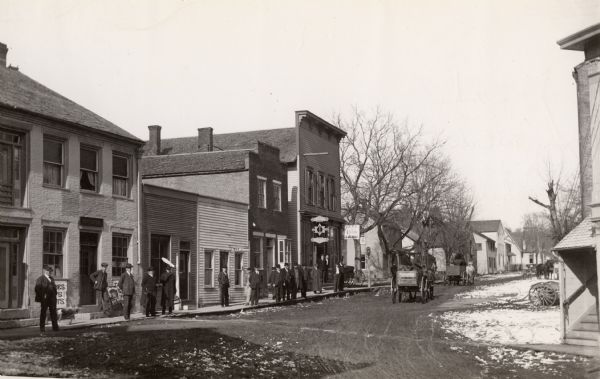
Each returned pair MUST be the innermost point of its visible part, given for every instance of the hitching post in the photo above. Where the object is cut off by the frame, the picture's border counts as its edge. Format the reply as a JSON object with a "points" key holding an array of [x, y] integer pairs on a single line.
{"points": [[368, 267]]}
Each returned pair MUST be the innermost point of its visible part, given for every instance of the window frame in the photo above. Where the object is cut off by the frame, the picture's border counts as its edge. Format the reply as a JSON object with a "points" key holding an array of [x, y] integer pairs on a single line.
{"points": [[15, 142], [126, 179], [261, 181], [118, 266], [332, 193], [61, 165], [310, 187], [277, 203], [96, 173], [210, 269], [185, 248], [238, 279], [257, 253], [60, 256], [321, 190]]}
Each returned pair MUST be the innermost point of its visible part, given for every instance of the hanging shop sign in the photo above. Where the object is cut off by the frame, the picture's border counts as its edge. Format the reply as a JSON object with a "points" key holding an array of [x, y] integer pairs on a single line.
{"points": [[351, 232], [320, 229]]}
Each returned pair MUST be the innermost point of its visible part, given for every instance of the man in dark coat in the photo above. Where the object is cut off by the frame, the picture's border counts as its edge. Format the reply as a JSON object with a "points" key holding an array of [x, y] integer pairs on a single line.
{"points": [[127, 285], [100, 280], [300, 284], [340, 276], [289, 282], [167, 300], [254, 286], [271, 282], [45, 294], [149, 292], [224, 287], [277, 280]]}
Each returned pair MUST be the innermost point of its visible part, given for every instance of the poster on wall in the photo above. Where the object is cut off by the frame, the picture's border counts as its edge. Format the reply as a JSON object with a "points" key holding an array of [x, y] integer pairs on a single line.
{"points": [[61, 293]]}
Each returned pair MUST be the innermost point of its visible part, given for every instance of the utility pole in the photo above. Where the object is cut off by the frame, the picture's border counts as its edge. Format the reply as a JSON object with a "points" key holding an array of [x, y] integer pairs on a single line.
{"points": [[368, 267]]}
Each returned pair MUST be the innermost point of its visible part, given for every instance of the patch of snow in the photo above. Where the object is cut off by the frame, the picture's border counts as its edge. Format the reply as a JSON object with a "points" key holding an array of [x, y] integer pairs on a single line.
{"points": [[504, 275], [513, 290], [505, 326]]}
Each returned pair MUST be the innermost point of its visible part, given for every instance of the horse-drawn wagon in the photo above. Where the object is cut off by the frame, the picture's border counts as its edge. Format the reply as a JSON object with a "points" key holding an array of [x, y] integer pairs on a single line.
{"points": [[409, 283], [455, 274]]}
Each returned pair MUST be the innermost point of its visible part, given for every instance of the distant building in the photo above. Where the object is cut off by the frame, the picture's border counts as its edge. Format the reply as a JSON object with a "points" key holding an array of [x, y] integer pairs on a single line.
{"points": [[486, 254], [578, 251], [68, 194], [493, 229]]}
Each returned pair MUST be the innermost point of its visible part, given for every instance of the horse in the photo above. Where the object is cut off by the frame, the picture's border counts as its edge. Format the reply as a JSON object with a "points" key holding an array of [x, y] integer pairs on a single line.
{"points": [[549, 269], [540, 270]]}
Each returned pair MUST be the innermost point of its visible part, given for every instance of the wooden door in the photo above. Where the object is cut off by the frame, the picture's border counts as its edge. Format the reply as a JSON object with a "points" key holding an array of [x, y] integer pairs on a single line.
{"points": [[88, 264]]}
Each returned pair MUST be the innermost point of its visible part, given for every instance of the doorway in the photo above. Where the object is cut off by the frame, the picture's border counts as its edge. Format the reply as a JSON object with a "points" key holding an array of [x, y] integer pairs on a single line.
{"points": [[159, 248], [88, 264], [4, 274], [184, 273]]}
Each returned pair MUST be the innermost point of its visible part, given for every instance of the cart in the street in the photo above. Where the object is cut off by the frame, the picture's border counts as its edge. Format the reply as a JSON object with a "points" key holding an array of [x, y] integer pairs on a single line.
{"points": [[455, 274], [409, 283]]}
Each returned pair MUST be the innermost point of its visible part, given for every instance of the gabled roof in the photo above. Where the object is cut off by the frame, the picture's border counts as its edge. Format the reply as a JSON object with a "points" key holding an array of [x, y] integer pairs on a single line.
{"points": [[20, 92], [284, 139], [194, 164], [579, 238], [486, 226], [484, 236]]}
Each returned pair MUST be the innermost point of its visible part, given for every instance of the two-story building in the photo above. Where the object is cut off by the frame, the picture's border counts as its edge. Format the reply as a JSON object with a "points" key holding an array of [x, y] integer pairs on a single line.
{"points": [[494, 230], [486, 253], [309, 153], [247, 222], [68, 194]]}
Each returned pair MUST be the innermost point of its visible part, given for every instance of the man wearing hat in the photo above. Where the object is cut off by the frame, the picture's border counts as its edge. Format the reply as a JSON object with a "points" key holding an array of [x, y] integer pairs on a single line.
{"points": [[167, 300], [127, 285], [45, 294], [100, 280], [149, 292]]}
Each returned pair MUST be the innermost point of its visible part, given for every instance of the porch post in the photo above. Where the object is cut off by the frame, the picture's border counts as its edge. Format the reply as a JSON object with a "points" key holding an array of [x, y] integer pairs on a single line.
{"points": [[562, 297]]}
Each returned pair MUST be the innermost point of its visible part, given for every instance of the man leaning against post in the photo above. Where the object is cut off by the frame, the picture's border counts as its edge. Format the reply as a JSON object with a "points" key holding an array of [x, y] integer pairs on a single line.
{"points": [[100, 280], [45, 294], [127, 285]]}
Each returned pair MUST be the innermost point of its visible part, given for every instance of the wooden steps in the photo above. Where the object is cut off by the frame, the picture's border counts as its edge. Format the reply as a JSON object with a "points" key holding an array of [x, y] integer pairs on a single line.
{"points": [[586, 331]]}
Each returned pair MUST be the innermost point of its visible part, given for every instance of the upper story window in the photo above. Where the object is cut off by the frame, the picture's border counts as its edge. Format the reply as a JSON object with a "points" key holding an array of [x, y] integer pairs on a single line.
{"points": [[54, 161], [277, 195], [88, 159], [310, 186], [321, 186], [120, 175], [332, 193], [262, 192], [53, 250], [11, 168]]}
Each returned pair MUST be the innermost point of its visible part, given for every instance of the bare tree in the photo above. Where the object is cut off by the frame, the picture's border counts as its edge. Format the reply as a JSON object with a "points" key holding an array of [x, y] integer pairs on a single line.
{"points": [[563, 209], [387, 171], [535, 235]]}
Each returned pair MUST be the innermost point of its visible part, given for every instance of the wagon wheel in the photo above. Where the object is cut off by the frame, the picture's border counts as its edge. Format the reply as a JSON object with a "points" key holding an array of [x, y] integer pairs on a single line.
{"points": [[543, 294]]}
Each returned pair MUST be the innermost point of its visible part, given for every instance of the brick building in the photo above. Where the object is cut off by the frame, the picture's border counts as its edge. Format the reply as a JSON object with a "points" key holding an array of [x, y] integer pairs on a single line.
{"points": [[68, 193], [251, 177], [309, 154]]}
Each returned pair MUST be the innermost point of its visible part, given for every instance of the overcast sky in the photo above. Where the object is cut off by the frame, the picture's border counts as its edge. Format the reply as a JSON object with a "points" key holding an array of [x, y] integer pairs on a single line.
{"points": [[487, 76]]}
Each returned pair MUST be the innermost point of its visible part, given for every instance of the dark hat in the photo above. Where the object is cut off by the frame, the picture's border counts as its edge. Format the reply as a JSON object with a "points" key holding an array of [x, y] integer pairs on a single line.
{"points": [[150, 268], [249, 268], [104, 264], [287, 265], [128, 265], [47, 268]]}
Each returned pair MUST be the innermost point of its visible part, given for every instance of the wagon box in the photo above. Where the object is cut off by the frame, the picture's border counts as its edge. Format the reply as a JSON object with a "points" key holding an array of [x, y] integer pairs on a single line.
{"points": [[406, 278]]}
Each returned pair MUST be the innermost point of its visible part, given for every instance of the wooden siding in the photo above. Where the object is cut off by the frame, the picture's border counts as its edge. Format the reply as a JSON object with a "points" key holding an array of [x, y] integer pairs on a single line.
{"points": [[292, 213], [222, 226], [167, 212]]}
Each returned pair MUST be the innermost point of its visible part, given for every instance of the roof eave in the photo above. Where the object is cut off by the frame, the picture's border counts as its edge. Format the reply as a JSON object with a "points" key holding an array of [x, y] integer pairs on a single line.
{"points": [[578, 40], [135, 141]]}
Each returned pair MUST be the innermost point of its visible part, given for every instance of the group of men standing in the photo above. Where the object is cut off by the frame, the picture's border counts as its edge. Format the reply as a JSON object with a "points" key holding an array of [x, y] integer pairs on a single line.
{"points": [[286, 282]]}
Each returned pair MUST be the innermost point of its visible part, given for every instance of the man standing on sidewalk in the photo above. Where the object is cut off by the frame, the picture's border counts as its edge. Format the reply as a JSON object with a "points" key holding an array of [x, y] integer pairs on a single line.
{"points": [[45, 294], [254, 279], [167, 300], [224, 287], [100, 280], [127, 285], [149, 291]]}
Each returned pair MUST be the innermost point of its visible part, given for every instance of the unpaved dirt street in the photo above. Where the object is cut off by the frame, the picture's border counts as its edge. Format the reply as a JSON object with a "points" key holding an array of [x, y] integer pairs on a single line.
{"points": [[364, 336]]}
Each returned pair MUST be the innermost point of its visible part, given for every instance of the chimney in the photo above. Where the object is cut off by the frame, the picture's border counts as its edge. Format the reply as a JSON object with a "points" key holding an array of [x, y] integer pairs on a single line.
{"points": [[154, 140], [205, 139], [3, 52]]}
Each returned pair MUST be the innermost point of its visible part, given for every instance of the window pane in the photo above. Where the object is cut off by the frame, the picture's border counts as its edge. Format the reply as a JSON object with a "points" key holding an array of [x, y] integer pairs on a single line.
{"points": [[87, 180], [53, 151], [88, 159], [120, 166], [52, 174], [119, 186]]}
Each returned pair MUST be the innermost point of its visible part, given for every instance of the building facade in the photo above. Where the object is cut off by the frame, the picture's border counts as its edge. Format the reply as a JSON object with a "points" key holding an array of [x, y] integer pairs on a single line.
{"points": [[200, 235], [579, 260], [68, 194], [486, 253], [252, 176], [494, 230], [310, 186]]}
